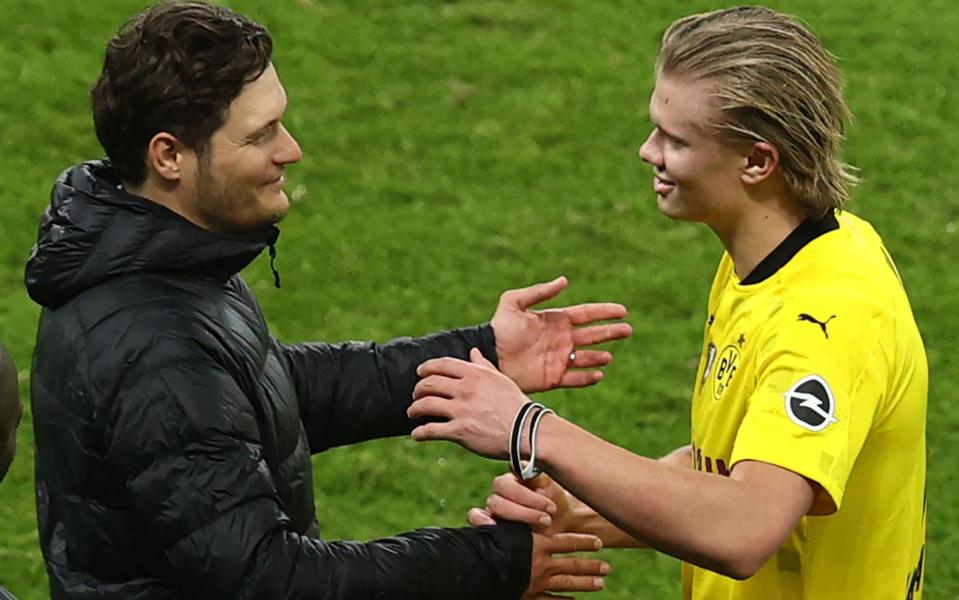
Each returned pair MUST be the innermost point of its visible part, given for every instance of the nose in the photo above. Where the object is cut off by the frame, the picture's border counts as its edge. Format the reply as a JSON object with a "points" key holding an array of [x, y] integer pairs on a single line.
{"points": [[289, 150], [649, 151]]}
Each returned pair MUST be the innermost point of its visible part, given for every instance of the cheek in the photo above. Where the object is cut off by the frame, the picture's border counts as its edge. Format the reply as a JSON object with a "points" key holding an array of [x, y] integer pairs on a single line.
{"points": [[695, 169], [680, 164]]}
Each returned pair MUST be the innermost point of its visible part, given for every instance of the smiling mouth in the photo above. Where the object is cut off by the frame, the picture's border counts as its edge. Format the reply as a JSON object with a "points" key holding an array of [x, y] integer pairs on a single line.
{"points": [[662, 186]]}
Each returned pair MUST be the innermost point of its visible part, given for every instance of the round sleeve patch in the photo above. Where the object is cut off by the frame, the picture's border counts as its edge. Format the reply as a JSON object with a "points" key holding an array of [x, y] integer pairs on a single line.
{"points": [[810, 403]]}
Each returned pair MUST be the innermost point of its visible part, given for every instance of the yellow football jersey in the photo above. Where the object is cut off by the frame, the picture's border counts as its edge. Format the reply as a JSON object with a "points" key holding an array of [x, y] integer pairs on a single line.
{"points": [[814, 363]]}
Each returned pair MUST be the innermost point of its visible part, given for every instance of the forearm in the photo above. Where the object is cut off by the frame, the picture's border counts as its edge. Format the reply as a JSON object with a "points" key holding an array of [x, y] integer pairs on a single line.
{"points": [[593, 523], [430, 564], [356, 391], [680, 457], [587, 520], [694, 516], [249, 553]]}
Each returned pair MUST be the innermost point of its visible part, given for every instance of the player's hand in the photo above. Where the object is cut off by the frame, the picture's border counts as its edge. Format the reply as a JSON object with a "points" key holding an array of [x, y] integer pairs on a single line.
{"points": [[550, 573], [534, 346], [478, 402], [540, 503]]}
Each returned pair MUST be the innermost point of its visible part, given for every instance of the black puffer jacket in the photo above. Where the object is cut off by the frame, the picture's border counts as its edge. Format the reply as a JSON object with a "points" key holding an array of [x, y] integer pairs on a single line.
{"points": [[174, 433]]}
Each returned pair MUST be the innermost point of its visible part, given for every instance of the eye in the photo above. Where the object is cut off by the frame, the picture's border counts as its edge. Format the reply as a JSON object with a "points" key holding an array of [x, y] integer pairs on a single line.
{"points": [[264, 134]]}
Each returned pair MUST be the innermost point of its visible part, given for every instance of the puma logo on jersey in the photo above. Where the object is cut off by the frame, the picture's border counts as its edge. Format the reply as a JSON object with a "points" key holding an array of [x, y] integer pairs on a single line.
{"points": [[822, 324]]}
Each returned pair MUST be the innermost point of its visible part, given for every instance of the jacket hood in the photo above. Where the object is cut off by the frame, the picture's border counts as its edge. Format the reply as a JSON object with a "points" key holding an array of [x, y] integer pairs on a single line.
{"points": [[94, 231]]}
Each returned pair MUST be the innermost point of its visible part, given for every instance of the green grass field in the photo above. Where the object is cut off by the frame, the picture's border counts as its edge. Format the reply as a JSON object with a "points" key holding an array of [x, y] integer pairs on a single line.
{"points": [[455, 149]]}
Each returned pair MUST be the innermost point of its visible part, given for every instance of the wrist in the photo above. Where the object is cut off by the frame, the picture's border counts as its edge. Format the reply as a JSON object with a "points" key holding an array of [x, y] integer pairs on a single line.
{"points": [[525, 432], [549, 441]]}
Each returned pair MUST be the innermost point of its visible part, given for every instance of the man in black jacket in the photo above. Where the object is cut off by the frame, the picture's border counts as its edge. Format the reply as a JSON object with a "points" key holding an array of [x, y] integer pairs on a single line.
{"points": [[173, 432]]}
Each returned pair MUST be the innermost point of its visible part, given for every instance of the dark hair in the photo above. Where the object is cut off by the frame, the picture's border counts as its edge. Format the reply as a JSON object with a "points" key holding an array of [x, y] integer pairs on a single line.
{"points": [[175, 67]]}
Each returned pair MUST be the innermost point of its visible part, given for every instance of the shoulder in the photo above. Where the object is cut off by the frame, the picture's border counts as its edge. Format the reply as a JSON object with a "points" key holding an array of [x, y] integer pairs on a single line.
{"points": [[145, 321], [846, 275]]}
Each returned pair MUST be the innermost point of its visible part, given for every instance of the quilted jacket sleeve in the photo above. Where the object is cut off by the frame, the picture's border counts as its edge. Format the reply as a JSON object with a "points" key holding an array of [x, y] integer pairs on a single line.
{"points": [[352, 392], [183, 436]]}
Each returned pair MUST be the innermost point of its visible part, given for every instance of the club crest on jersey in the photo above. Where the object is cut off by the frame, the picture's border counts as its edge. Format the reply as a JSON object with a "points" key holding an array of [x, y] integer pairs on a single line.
{"points": [[726, 366], [810, 403]]}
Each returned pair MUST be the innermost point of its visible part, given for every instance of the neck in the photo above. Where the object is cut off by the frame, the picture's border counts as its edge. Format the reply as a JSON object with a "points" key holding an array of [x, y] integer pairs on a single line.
{"points": [[754, 234], [166, 195]]}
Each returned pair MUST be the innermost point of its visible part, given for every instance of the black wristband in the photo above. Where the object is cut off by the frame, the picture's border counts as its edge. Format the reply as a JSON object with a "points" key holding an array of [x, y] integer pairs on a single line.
{"points": [[516, 436]]}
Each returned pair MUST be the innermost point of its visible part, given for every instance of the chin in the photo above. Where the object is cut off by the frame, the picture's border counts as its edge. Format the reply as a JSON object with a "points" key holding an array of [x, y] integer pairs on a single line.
{"points": [[282, 207], [676, 208], [669, 207], [274, 207]]}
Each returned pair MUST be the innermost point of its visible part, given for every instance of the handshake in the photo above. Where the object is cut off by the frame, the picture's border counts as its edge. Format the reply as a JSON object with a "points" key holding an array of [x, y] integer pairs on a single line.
{"points": [[485, 409], [559, 521]]}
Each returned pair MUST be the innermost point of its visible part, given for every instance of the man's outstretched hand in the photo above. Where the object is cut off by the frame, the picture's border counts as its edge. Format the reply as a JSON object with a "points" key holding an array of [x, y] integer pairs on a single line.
{"points": [[534, 346]]}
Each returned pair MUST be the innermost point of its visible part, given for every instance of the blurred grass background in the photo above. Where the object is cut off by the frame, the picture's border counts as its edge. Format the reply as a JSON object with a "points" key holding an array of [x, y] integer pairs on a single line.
{"points": [[455, 149]]}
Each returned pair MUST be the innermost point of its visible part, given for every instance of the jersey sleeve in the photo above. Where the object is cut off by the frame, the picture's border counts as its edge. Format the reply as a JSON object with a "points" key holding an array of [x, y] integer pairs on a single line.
{"points": [[820, 376]]}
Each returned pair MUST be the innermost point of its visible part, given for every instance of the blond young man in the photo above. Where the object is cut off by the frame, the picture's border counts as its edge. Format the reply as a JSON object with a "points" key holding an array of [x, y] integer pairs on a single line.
{"points": [[808, 412]]}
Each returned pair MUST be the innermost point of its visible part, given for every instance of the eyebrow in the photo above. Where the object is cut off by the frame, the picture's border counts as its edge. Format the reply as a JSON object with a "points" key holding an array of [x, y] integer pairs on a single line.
{"points": [[263, 129], [667, 132]]}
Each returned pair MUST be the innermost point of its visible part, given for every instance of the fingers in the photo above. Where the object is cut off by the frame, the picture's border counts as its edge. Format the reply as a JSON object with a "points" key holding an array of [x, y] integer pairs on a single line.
{"points": [[512, 490], [434, 431], [478, 359], [523, 298], [435, 385], [597, 334], [575, 583], [431, 406], [507, 510], [598, 311], [591, 358], [580, 566], [575, 574], [564, 543], [446, 366], [479, 517], [575, 379], [554, 574]]}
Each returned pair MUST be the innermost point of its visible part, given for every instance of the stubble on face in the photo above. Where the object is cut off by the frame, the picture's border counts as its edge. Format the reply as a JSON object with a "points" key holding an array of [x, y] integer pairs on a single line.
{"points": [[239, 174], [231, 205]]}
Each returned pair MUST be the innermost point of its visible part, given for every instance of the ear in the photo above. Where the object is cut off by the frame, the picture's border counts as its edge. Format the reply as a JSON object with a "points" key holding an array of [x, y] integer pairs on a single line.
{"points": [[761, 160], [165, 154]]}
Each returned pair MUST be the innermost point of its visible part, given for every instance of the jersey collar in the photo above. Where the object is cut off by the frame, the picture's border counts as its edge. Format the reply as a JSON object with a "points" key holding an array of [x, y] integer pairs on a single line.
{"points": [[806, 232]]}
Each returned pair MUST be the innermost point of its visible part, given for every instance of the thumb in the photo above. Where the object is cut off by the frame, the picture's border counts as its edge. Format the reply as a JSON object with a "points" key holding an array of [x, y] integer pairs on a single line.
{"points": [[525, 297], [539, 482], [477, 357]]}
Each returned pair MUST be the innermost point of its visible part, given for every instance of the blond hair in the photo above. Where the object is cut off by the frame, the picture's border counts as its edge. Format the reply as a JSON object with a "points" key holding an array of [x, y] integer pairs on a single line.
{"points": [[775, 82]]}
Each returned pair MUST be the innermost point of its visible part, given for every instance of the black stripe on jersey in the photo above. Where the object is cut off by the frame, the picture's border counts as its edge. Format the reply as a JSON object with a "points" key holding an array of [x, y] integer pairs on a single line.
{"points": [[807, 231]]}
